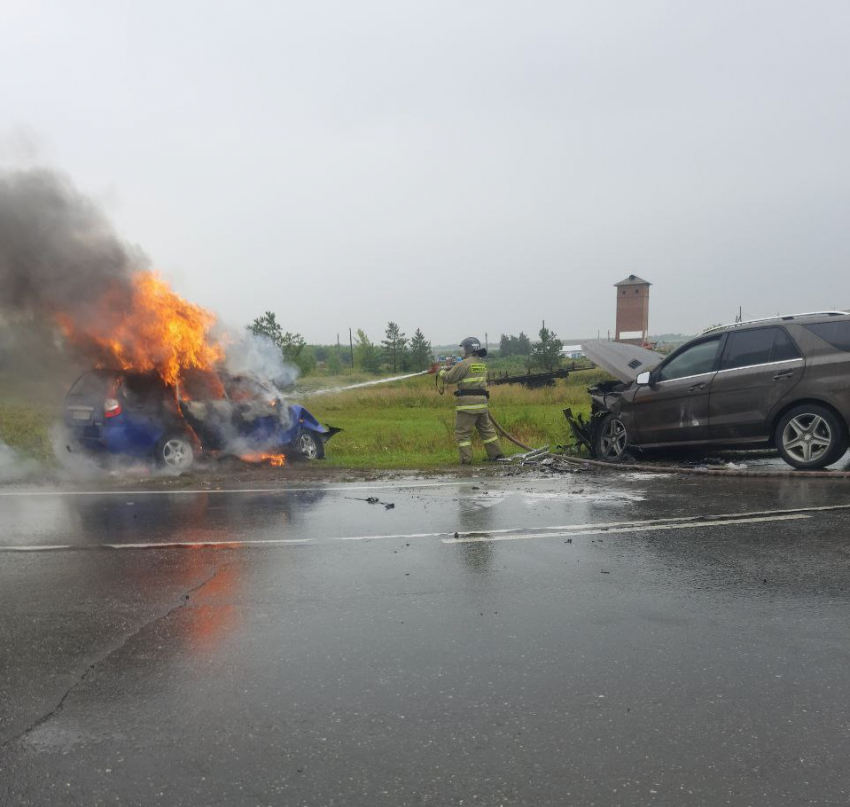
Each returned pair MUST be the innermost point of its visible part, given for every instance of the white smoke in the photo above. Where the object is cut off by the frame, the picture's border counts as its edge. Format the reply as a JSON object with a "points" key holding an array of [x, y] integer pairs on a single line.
{"points": [[14, 467], [257, 357], [72, 463]]}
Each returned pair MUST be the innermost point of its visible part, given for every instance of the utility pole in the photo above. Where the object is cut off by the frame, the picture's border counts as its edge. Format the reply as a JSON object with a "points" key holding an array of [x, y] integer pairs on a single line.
{"points": [[351, 346], [487, 341]]}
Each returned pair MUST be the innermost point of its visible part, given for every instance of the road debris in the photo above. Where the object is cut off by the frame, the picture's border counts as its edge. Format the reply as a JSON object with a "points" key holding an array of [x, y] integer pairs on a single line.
{"points": [[372, 500]]}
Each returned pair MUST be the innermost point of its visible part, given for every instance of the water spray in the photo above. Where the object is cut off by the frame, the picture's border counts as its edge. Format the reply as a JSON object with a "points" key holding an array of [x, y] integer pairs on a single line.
{"points": [[362, 384]]}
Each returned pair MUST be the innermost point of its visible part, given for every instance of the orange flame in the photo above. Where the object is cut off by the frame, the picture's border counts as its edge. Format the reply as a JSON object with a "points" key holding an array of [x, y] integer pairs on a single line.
{"points": [[155, 329], [275, 460]]}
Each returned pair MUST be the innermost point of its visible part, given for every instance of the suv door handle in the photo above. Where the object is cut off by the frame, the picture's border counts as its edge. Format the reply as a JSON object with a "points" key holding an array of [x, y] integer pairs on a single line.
{"points": [[783, 375], [696, 387]]}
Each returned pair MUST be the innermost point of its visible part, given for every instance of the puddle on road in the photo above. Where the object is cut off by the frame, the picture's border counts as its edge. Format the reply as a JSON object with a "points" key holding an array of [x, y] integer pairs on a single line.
{"points": [[532, 499]]}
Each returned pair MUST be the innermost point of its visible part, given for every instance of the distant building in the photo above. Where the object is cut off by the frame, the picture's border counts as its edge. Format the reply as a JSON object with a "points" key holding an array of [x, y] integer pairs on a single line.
{"points": [[632, 310], [572, 352]]}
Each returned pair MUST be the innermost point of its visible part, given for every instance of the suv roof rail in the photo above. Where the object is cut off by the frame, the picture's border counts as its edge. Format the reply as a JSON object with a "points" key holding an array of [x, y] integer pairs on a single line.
{"points": [[777, 318]]}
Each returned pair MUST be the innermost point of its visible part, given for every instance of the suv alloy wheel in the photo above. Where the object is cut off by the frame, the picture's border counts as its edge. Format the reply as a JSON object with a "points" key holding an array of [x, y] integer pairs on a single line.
{"points": [[810, 436]]}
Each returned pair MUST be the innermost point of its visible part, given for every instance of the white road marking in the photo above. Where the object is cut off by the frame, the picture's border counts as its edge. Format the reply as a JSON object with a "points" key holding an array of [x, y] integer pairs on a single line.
{"points": [[508, 534], [689, 525], [603, 526]]}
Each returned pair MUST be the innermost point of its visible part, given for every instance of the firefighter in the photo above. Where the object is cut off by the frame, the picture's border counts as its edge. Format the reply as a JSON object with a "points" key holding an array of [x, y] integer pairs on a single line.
{"points": [[472, 409]]}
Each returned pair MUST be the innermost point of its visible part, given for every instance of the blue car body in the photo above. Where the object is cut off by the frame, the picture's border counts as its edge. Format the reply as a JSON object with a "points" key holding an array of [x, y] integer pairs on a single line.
{"points": [[132, 414]]}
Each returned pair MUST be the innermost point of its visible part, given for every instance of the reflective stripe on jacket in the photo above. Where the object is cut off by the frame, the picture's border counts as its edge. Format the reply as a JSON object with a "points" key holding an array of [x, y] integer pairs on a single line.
{"points": [[469, 374]]}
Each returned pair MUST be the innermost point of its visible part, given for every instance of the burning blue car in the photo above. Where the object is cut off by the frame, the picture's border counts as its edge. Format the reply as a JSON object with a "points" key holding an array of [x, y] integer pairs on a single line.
{"points": [[120, 412]]}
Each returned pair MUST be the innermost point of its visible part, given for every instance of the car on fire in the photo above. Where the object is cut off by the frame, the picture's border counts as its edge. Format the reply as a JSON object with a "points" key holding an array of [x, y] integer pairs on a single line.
{"points": [[782, 382], [137, 414]]}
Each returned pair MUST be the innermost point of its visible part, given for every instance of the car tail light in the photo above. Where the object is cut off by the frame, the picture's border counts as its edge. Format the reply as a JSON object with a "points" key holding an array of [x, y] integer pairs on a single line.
{"points": [[111, 408]]}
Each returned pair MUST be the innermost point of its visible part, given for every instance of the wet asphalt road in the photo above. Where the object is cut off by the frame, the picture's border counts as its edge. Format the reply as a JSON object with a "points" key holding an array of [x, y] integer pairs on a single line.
{"points": [[254, 648]]}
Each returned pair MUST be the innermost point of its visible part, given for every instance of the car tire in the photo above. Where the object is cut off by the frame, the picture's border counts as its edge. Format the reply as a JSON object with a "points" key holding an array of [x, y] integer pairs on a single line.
{"points": [[175, 453], [610, 440], [810, 436], [310, 445]]}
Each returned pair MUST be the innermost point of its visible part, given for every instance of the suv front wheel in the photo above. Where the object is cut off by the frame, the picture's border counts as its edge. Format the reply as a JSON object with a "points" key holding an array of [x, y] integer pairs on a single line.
{"points": [[810, 437], [610, 439]]}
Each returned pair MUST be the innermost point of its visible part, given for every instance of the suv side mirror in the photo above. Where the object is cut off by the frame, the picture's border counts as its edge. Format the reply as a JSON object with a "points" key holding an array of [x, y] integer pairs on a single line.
{"points": [[644, 378]]}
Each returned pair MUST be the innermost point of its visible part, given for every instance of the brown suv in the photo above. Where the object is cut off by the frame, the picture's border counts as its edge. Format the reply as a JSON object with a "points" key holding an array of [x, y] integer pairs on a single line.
{"points": [[782, 382]]}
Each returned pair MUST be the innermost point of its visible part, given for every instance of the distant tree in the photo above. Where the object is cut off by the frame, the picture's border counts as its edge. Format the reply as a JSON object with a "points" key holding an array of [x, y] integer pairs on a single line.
{"points": [[334, 361], [306, 360], [523, 345], [547, 352], [514, 345], [394, 347], [420, 353], [366, 355], [267, 325], [291, 344]]}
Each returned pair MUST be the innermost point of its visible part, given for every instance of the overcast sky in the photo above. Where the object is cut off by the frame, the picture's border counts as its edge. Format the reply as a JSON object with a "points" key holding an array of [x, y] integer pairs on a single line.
{"points": [[456, 166]]}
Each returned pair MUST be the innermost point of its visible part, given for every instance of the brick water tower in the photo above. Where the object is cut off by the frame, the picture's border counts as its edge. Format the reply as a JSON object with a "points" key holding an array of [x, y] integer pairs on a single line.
{"points": [[632, 310]]}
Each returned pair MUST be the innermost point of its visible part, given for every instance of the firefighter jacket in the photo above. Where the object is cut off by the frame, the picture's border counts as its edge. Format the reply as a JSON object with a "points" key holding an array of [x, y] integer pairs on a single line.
{"points": [[470, 375]]}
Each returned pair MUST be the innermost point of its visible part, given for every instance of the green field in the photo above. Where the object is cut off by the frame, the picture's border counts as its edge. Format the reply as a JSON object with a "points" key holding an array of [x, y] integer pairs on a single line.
{"points": [[408, 425], [26, 428], [403, 424]]}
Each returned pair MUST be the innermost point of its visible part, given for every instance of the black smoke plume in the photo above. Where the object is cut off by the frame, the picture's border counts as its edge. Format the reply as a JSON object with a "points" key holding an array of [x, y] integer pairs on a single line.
{"points": [[58, 255]]}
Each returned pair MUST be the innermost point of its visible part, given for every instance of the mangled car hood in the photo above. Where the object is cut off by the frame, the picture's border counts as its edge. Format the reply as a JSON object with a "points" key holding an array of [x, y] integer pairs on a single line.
{"points": [[624, 362]]}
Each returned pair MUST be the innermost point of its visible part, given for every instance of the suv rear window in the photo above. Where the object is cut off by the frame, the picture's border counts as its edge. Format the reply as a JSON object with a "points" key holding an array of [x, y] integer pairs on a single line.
{"points": [[836, 333], [758, 346]]}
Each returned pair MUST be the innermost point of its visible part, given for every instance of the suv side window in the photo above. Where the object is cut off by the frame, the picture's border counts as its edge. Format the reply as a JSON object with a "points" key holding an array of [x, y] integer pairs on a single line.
{"points": [[836, 333], [696, 360], [758, 346]]}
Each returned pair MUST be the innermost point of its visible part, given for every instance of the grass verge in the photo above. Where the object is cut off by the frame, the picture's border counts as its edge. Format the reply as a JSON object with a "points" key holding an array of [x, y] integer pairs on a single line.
{"points": [[26, 429], [408, 425]]}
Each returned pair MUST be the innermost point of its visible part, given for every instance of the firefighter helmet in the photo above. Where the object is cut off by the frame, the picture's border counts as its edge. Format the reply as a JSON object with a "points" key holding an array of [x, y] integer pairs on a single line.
{"points": [[472, 345]]}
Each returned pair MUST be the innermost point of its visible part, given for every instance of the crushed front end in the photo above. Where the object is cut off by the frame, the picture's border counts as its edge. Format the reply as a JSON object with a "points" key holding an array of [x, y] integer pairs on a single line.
{"points": [[605, 399]]}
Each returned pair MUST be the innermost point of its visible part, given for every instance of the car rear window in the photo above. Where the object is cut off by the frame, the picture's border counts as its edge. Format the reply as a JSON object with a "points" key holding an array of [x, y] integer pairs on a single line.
{"points": [[758, 346], [143, 389], [92, 385], [836, 333]]}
